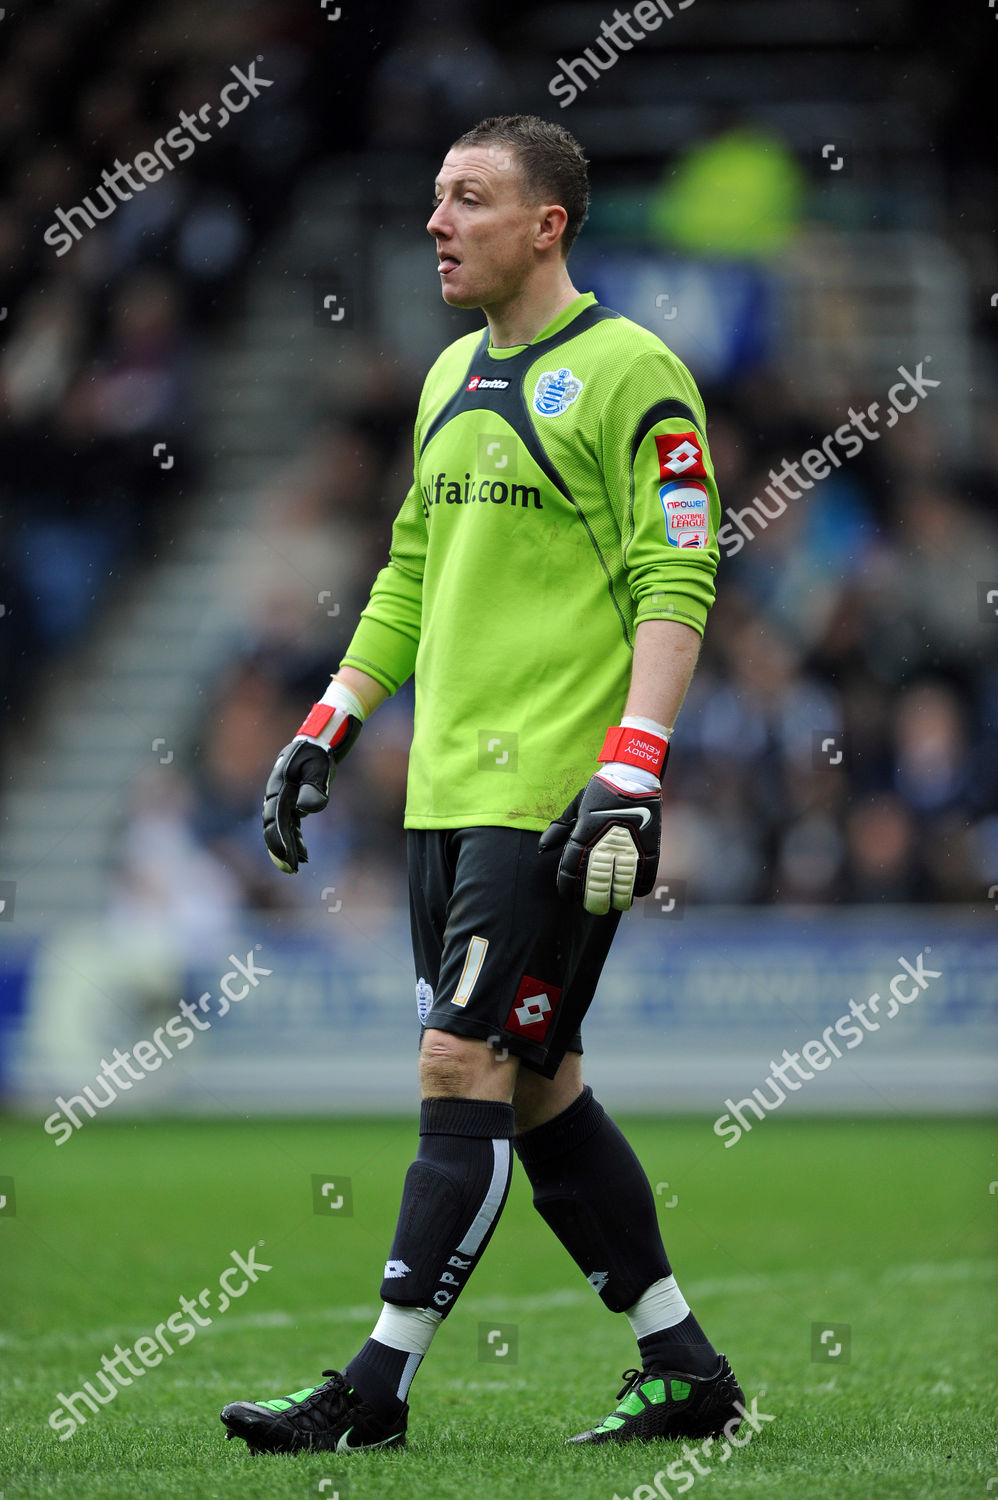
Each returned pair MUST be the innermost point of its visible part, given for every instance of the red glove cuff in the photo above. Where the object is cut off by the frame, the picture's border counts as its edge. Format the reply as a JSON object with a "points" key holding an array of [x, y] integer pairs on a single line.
{"points": [[636, 747], [319, 717]]}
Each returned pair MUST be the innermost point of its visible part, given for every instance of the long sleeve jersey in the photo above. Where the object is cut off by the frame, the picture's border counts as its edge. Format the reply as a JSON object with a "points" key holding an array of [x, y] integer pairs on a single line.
{"points": [[562, 493]]}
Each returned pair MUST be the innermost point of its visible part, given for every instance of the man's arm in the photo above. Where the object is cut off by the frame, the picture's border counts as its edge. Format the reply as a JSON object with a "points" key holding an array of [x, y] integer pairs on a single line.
{"points": [[668, 511], [665, 654], [369, 690]]}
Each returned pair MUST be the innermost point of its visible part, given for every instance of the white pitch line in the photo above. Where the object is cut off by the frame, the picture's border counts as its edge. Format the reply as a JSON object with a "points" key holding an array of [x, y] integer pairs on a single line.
{"points": [[915, 1272]]}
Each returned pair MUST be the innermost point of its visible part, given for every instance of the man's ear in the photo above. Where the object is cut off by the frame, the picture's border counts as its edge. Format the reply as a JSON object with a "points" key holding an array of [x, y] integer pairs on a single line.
{"points": [[552, 226]]}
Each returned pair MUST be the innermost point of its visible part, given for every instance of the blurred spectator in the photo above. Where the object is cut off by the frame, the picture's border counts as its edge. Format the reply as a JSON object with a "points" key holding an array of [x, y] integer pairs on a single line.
{"points": [[737, 194], [882, 851], [166, 875], [439, 78], [932, 769]]}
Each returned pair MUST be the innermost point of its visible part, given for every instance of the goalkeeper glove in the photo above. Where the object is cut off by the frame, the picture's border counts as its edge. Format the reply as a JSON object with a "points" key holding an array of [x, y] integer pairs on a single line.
{"points": [[611, 833], [299, 783]]}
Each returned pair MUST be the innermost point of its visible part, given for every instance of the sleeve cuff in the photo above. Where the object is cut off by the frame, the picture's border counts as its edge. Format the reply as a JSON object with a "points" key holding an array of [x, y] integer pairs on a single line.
{"points": [[680, 607], [384, 653]]}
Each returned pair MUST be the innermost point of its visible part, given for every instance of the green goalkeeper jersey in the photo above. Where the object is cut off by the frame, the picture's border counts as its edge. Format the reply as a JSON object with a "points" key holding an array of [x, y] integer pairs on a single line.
{"points": [[562, 493]]}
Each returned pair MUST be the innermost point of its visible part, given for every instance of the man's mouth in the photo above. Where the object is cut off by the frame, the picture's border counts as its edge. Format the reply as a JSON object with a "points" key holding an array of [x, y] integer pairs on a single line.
{"points": [[447, 263]]}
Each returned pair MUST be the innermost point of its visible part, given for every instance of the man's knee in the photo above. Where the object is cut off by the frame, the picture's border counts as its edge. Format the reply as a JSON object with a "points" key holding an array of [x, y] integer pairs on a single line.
{"points": [[443, 1063], [465, 1067]]}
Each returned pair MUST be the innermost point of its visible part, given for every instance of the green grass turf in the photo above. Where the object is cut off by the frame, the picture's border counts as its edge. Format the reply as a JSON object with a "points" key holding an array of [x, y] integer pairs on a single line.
{"points": [[886, 1226]]}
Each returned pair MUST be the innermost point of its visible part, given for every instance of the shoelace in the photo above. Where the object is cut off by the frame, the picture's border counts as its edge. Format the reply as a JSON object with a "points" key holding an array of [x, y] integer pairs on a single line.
{"points": [[340, 1386], [631, 1378], [337, 1386]]}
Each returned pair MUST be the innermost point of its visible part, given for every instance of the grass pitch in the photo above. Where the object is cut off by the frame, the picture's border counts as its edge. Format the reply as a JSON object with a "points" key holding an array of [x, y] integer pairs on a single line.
{"points": [[882, 1234]]}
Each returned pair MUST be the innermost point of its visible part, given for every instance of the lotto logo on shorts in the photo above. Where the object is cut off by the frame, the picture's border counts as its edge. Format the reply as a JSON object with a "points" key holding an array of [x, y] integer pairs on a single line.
{"points": [[533, 1009], [680, 456]]}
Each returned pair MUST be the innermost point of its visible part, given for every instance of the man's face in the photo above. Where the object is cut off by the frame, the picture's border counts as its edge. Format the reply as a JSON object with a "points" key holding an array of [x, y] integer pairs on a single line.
{"points": [[484, 231]]}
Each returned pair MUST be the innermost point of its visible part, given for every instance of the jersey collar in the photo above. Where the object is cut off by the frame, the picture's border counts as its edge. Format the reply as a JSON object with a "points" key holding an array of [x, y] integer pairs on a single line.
{"points": [[584, 300]]}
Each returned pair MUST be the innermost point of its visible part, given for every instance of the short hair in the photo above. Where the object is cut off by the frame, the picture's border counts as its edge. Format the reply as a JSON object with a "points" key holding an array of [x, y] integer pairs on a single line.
{"points": [[552, 163]]}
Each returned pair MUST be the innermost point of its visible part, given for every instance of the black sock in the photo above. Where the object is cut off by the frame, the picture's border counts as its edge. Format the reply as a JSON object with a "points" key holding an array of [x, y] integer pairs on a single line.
{"points": [[591, 1189], [376, 1373], [684, 1347], [453, 1195]]}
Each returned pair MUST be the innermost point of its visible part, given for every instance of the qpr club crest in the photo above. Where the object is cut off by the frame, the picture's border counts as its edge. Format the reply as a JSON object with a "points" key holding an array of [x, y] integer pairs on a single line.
{"points": [[555, 391], [424, 999]]}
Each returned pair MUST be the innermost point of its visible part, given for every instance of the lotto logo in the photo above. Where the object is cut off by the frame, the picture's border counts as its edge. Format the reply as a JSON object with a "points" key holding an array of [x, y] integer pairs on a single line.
{"points": [[479, 383], [533, 1009], [679, 453]]}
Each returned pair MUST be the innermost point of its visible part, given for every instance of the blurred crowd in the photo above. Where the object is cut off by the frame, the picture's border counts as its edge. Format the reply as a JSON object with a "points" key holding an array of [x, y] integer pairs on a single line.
{"points": [[840, 741], [99, 344]]}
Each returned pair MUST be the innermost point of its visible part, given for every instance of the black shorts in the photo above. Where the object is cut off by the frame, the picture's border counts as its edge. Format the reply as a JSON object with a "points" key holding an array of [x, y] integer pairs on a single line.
{"points": [[507, 958]]}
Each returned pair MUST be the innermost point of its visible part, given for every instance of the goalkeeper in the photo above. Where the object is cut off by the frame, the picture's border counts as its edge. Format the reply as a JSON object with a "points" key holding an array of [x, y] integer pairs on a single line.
{"points": [[549, 578]]}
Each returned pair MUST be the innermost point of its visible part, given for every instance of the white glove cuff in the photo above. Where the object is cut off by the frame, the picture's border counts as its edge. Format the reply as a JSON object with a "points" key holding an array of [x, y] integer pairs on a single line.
{"points": [[628, 778], [340, 696], [633, 721]]}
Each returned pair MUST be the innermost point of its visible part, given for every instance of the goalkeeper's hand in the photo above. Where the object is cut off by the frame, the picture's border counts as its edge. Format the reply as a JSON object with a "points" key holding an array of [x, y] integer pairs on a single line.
{"points": [[299, 783], [610, 834]]}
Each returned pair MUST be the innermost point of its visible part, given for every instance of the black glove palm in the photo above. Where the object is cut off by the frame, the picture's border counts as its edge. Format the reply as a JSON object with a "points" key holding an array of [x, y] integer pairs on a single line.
{"points": [[610, 841]]}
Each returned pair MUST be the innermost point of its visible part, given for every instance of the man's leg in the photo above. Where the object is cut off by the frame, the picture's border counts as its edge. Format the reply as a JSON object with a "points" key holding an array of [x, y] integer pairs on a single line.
{"points": [[593, 1192], [476, 897], [453, 1195]]}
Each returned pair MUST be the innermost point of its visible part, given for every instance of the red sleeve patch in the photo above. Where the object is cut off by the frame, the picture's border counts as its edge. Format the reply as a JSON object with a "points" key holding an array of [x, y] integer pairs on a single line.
{"points": [[680, 456]]}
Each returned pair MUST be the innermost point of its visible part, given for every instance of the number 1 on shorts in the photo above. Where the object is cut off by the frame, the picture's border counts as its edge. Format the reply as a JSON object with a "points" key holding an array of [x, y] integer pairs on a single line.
{"points": [[475, 957]]}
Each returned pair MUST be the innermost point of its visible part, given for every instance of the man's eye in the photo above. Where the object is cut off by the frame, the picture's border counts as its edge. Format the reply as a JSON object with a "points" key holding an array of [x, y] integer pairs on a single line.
{"points": [[436, 202]]}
